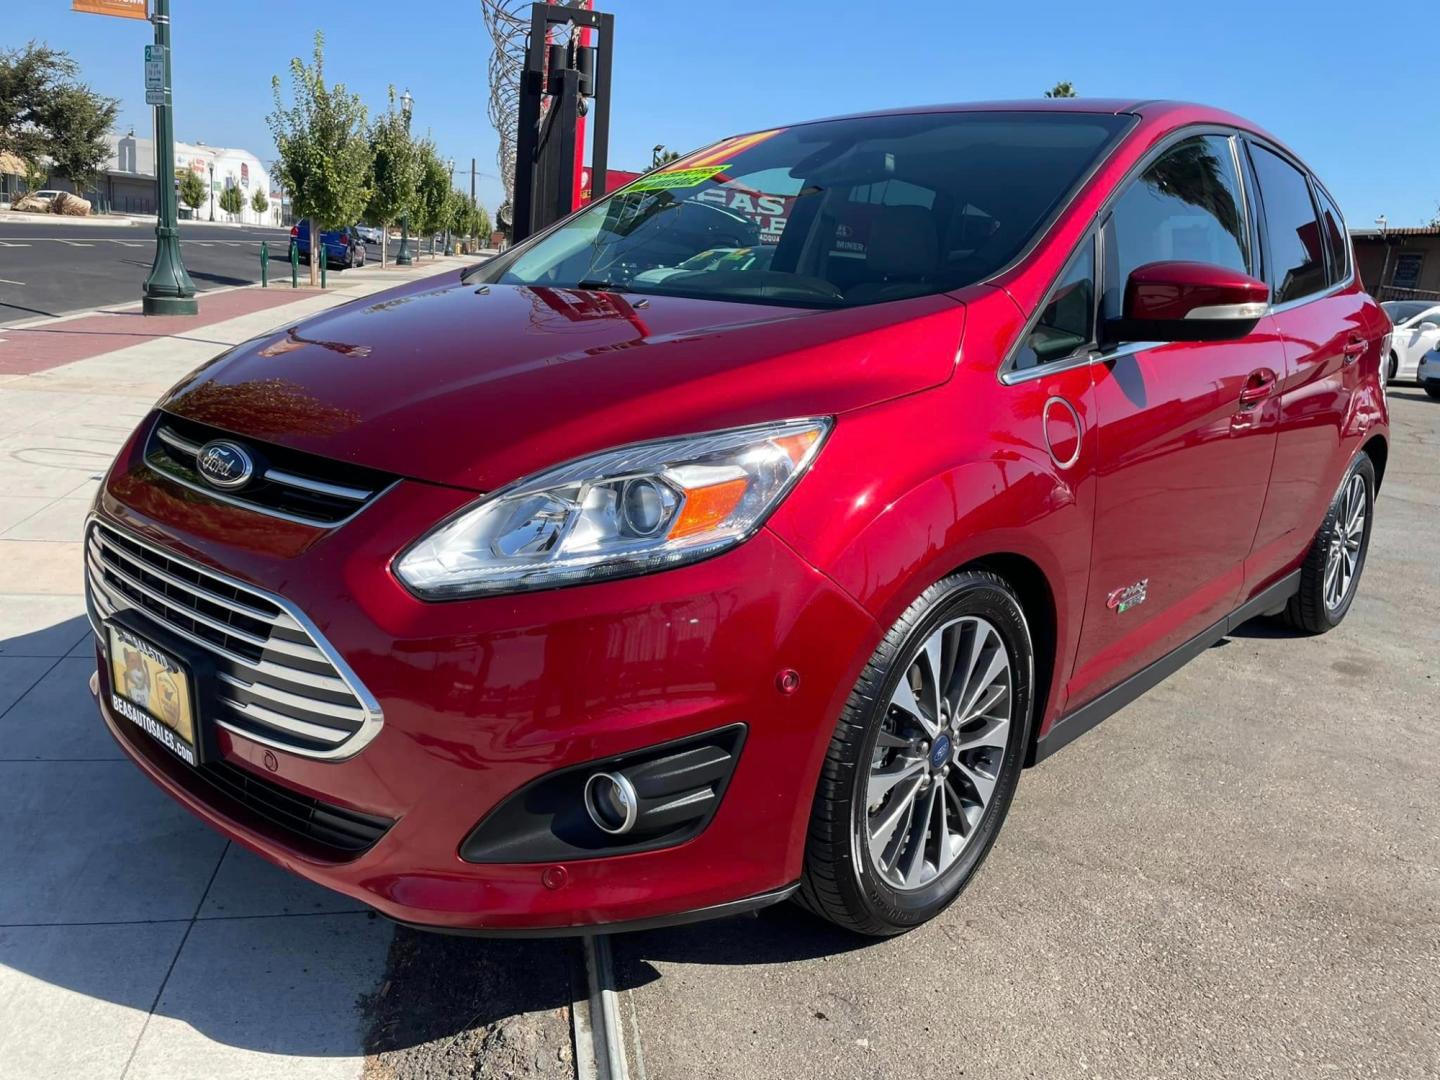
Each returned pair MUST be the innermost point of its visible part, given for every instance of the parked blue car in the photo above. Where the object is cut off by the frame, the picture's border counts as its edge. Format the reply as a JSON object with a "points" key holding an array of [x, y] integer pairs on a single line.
{"points": [[344, 248]]}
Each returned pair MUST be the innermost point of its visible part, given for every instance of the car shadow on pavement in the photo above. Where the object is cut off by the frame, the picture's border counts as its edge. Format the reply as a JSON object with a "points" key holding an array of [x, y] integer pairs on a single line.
{"points": [[200, 275], [117, 904], [781, 933], [1408, 394]]}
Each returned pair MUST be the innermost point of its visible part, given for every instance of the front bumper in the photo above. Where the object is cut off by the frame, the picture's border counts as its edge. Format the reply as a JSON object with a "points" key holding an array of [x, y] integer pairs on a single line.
{"points": [[482, 697]]}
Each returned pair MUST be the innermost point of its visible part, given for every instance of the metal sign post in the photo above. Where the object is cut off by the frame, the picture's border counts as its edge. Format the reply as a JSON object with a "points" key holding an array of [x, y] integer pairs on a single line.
{"points": [[168, 289]]}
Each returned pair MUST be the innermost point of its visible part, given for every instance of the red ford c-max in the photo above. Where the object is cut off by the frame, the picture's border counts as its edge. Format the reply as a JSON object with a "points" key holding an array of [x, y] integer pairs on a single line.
{"points": [[745, 534]]}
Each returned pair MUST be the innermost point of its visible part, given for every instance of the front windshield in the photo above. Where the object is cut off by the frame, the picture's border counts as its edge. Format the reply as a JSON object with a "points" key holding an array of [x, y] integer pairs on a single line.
{"points": [[1404, 310], [831, 214]]}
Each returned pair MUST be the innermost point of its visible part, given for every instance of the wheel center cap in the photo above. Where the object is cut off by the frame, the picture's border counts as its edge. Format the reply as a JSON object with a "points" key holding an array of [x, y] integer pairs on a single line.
{"points": [[940, 751]]}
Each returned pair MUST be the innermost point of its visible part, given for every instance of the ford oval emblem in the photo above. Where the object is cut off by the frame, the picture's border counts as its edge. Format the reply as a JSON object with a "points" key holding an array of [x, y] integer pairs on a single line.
{"points": [[225, 465]]}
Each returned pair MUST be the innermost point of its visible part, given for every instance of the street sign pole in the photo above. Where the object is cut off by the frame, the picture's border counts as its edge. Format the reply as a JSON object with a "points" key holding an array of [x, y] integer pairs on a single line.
{"points": [[168, 289]]}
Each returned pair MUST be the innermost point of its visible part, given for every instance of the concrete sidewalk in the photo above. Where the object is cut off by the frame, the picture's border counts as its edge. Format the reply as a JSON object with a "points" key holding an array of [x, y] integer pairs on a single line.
{"points": [[134, 941]]}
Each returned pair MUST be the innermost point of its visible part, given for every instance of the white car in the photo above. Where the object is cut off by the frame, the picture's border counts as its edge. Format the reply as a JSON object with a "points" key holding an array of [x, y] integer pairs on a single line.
{"points": [[369, 233], [1428, 373], [1417, 331]]}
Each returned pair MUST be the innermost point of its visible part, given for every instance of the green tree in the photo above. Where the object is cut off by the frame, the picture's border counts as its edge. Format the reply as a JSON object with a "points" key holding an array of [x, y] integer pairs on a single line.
{"points": [[28, 77], [45, 111], [258, 202], [78, 119], [427, 212], [193, 192], [467, 219], [324, 154], [662, 158], [36, 173], [232, 199], [394, 170], [1061, 90]]}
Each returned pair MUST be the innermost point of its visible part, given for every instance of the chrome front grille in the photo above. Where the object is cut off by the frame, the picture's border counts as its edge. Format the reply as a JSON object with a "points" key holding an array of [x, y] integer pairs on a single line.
{"points": [[280, 682], [288, 484]]}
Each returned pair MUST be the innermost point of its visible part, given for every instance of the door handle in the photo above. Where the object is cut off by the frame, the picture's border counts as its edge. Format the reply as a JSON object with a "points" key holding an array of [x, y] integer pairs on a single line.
{"points": [[1354, 349], [1258, 386]]}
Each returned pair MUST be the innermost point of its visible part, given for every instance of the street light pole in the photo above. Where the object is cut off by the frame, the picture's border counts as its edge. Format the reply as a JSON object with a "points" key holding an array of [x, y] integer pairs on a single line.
{"points": [[168, 290], [402, 257], [450, 170], [212, 191], [1383, 223]]}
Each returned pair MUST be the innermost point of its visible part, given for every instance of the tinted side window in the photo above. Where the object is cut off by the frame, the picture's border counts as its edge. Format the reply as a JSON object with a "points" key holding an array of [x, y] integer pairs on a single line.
{"points": [[1186, 206], [1337, 244], [1296, 258], [1068, 321]]}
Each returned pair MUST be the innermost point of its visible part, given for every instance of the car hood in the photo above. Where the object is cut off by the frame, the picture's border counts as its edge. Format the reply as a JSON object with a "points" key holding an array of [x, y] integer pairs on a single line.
{"points": [[475, 386]]}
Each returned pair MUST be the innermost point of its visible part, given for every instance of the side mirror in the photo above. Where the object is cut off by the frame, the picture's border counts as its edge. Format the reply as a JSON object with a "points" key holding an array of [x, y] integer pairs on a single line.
{"points": [[1188, 301], [1427, 326]]}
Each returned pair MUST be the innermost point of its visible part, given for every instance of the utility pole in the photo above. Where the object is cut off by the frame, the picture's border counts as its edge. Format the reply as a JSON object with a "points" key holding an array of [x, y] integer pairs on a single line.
{"points": [[168, 290], [472, 179]]}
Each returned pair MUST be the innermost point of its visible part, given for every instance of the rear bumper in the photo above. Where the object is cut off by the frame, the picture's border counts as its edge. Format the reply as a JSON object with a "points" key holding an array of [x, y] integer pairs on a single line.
{"points": [[481, 698]]}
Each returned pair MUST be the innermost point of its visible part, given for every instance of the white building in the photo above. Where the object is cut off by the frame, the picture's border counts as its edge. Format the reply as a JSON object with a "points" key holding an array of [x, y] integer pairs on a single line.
{"points": [[129, 182]]}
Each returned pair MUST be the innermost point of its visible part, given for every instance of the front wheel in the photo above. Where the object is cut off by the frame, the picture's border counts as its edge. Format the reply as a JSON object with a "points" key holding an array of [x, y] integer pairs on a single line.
{"points": [[1393, 369], [924, 761], [1433, 389], [1330, 575]]}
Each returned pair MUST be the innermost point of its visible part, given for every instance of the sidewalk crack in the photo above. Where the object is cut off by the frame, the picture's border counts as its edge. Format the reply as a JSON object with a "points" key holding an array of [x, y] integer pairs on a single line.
{"points": [[160, 992]]}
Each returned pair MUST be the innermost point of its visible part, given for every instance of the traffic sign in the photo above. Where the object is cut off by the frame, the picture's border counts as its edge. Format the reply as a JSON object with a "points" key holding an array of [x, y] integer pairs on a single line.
{"points": [[154, 74]]}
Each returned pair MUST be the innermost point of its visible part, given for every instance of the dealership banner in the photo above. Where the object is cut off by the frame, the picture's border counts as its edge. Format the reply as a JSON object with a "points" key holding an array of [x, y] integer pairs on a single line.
{"points": [[125, 9]]}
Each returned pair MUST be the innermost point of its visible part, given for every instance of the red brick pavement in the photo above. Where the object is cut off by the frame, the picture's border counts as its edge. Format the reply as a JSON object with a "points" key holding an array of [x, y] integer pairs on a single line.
{"points": [[44, 346]]}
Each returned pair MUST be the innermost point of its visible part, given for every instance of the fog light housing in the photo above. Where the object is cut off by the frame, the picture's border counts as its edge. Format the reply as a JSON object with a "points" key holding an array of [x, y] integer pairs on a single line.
{"points": [[611, 802]]}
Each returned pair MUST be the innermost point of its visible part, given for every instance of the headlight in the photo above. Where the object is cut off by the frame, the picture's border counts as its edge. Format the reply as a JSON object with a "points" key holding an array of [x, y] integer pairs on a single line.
{"points": [[632, 510]]}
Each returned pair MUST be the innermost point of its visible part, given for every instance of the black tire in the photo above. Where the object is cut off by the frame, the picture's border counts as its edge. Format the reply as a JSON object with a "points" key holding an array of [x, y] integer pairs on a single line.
{"points": [[1307, 609], [840, 882], [1433, 389], [1393, 369]]}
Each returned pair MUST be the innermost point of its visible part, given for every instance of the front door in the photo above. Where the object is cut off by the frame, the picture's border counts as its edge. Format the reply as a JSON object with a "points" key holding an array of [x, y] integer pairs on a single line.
{"points": [[1187, 430]]}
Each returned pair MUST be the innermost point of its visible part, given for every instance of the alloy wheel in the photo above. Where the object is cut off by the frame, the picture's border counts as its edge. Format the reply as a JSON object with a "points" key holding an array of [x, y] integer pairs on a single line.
{"points": [[1343, 559], [938, 752]]}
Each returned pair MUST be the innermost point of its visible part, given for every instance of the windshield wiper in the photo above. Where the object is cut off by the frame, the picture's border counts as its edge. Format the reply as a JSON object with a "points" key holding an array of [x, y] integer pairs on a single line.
{"points": [[600, 286]]}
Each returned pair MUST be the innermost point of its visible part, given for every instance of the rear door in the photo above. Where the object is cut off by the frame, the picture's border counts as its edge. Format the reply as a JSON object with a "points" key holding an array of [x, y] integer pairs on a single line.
{"points": [[1320, 313], [1183, 462]]}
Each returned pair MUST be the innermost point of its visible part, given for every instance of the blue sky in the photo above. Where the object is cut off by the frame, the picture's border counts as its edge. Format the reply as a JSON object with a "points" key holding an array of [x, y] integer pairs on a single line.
{"points": [[1352, 100]]}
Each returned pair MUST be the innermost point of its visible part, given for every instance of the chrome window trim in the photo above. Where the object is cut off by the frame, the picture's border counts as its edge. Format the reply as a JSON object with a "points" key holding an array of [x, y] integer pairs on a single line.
{"points": [[1084, 359], [1008, 375], [374, 718]]}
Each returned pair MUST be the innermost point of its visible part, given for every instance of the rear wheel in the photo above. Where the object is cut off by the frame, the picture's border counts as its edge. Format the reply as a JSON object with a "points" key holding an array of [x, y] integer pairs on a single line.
{"points": [[1433, 389], [924, 761], [1393, 369], [1331, 571]]}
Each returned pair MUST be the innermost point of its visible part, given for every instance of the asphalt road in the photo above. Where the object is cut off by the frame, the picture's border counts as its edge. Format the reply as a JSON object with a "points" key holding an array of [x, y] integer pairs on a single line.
{"points": [[52, 269]]}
